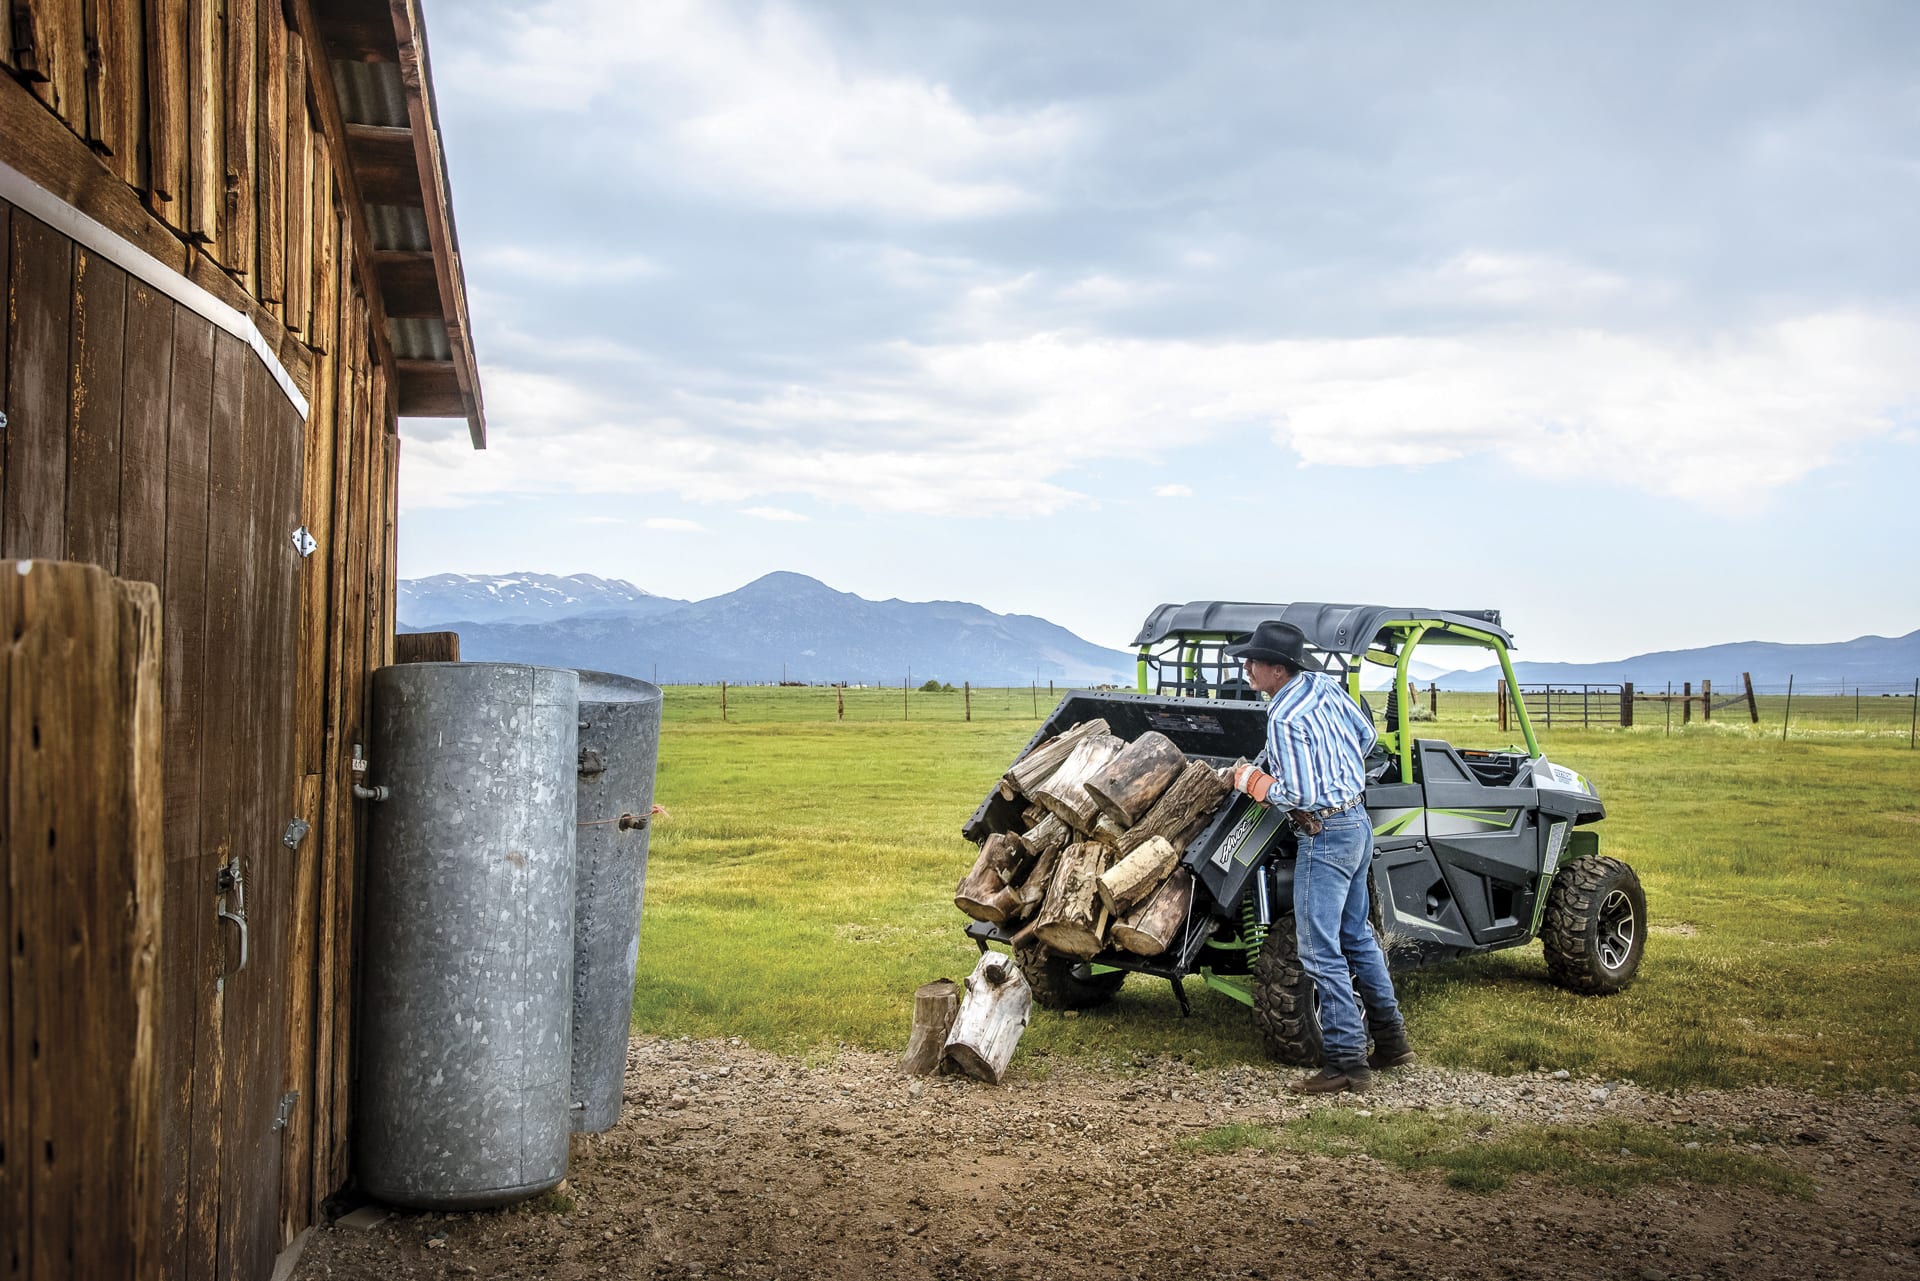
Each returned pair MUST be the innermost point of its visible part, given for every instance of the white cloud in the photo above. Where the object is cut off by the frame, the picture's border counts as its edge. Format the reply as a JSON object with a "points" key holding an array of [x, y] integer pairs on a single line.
{"points": [[775, 514], [1173, 491], [674, 524], [990, 428], [760, 103]]}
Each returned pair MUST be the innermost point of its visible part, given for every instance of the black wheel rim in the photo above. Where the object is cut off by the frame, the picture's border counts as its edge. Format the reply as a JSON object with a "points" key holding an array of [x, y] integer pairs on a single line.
{"points": [[1618, 929]]}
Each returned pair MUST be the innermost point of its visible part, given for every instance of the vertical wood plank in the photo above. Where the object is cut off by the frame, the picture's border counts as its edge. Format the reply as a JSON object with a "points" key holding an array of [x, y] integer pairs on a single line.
{"points": [[81, 745], [222, 783], [6, 341], [36, 436], [298, 150], [321, 333], [94, 397], [166, 27], [189, 1051], [117, 46], [237, 197], [49, 49], [270, 159], [146, 385], [206, 120]]}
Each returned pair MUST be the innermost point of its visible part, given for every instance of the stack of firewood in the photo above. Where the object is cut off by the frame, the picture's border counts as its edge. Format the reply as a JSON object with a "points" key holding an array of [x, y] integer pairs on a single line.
{"points": [[1097, 862]]}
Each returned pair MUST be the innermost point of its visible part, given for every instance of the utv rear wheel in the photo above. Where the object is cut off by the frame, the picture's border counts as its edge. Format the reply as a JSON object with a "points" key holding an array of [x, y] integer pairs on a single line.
{"points": [[1596, 925], [1062, 983], [1285, 1006]]}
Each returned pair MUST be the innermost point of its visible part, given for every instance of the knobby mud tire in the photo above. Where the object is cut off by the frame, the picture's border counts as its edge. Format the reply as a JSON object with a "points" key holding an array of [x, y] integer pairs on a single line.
{"points": [[1057, 987], [1285, 1008], [1590, 900]]}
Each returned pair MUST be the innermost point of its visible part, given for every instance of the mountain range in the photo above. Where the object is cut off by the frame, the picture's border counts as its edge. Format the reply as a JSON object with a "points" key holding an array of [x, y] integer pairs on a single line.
{"points": [[792, 627], [782, 626]]}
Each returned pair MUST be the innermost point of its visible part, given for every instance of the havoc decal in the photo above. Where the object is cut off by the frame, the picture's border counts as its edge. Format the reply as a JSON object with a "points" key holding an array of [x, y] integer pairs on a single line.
{"points": [[1236, 840]]}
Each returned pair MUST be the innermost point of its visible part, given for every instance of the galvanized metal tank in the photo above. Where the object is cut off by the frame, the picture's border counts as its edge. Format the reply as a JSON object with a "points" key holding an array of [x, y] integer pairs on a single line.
{"points": [[466, 1004], [619, 744]]}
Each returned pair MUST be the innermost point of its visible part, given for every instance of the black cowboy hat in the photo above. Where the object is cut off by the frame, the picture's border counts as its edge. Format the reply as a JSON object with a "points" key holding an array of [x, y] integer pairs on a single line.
{"points": [[1276, 642]]}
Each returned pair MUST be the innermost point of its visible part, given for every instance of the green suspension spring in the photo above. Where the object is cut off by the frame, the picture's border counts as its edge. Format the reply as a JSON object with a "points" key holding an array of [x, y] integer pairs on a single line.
{"points": [[1252, 933]]}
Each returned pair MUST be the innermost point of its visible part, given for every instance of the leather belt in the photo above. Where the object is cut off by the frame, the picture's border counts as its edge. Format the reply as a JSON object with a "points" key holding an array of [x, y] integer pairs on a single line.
{"points": [[1309, 822], [1331, 810]]}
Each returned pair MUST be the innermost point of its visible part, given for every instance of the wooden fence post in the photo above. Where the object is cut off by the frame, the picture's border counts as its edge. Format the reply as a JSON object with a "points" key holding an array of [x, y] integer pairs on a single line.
{"points": [[1913, 727], [1433, 699], [1626, 705], [840, 702], [723, 700], [1786, 717], [1753, 705], [903, 694], [1686, 702], [1706, 700], [968, 686], [81, 881], [1500, 696]]}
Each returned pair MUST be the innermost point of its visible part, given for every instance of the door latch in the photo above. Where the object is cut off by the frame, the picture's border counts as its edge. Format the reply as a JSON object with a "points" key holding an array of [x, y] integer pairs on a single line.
{"points": [[232, 888]]}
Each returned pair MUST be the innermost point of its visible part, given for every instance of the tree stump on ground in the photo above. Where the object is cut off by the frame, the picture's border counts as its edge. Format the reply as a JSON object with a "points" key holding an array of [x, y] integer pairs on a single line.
{"points": [[935, 1006]]}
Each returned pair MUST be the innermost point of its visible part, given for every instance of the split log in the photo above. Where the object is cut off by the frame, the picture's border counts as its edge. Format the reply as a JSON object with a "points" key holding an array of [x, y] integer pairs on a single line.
{"points": [[1032, 769], [983, 892], [1032, 815], [1134, 878], [1068, 919], [1047, 834], [1128, 785], [1064, 791], [1181, 811], [1107, 832], [991, 1019], [935, 1006], [1154, 925], [1033, 890]]}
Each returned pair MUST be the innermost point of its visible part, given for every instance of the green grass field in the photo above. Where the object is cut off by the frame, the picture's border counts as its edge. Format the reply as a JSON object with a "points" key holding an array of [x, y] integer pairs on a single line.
{"points": [[802, 889]]}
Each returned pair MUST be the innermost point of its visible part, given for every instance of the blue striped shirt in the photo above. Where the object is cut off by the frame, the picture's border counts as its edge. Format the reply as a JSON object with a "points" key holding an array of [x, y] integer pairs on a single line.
{"points": [[1317, 744]]}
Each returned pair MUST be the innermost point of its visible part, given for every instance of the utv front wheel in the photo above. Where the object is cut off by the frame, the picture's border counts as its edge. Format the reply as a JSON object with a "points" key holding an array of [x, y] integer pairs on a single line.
{"points": [[1062, 983], [1285, 1006], [1596, 925]]}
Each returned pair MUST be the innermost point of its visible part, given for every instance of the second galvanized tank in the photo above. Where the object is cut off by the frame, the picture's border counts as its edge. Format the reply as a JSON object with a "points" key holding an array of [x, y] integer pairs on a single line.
{"points": [[465, 1035], [619, 743]]}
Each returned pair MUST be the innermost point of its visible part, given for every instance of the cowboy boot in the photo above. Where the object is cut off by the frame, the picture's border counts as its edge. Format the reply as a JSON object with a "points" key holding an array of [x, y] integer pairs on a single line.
{"points": [[1335, 1078], [1390, 1048]]}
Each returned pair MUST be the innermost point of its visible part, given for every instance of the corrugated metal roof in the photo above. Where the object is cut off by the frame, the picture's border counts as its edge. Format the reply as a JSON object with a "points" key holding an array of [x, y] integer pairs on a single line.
{"points": [[371, 93], [399, 227], [419, 339]]}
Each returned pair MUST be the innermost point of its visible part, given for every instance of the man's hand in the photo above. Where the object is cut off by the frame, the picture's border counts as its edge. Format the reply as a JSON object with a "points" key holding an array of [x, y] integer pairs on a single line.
{"points": [[1252, 780]]}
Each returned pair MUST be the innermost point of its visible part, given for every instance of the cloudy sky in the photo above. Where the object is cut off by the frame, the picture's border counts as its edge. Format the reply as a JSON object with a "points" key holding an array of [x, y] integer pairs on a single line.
{"points": [[1605, 315]]}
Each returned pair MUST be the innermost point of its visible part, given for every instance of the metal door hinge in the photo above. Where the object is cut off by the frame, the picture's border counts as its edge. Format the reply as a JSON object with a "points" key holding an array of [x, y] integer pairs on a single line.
{"points": [[285, 1114], [295, 833], [303, 542]]}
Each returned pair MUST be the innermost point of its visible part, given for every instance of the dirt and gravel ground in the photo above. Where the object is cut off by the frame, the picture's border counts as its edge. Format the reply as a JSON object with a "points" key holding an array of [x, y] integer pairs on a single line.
{"points": [[730, 1162]]}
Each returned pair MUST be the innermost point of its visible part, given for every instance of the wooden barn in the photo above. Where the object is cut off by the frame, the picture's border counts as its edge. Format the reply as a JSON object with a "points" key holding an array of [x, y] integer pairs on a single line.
{"points": [[231, 267]]}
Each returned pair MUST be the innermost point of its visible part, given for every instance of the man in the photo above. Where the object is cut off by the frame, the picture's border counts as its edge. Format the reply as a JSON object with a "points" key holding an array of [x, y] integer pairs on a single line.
{"points": [[1317, 743]]}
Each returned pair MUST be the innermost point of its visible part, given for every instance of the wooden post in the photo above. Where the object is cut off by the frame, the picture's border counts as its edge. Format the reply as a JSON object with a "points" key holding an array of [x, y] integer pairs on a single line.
{"points": [[1669, 707], [840, 702], [1501, 694], [1913, 726], [1706, 700], [426, 647], [1753, 705], [1626, 705], [1686, 702], [723, 700], [1035, 688], [903, 694], [81, 879], [1787, 717], [968, 686], [1433, 699]]}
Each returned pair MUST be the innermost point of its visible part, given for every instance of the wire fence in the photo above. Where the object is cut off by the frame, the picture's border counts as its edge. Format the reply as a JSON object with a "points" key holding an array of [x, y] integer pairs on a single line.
{"points": [[1826, 707]]}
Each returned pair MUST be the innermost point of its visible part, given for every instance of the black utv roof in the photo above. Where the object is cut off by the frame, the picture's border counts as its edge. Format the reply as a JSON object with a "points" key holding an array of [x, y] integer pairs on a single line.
{"points": [[1333, 629]]}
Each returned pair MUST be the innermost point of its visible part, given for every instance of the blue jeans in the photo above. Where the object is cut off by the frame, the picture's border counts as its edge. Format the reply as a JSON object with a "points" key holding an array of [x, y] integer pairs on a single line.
{"points": [[1337, 945]]}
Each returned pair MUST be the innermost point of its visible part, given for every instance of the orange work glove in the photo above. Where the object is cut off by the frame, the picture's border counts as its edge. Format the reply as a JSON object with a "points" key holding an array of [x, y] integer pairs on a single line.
{"points": [[1255, 782]]}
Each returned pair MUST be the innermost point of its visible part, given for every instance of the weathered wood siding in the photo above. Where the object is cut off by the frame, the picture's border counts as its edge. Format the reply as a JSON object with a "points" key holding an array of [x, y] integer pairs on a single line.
{"points": [[142, 438]]}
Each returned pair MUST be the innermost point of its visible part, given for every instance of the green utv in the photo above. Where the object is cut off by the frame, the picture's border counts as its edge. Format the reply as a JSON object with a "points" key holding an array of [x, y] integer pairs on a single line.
{"points": [[1474, 850]]}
